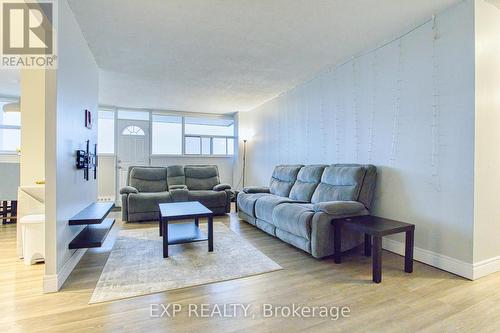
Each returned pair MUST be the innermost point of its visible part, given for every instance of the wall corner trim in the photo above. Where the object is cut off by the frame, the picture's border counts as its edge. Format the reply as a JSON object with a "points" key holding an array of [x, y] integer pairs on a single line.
{"points": [[434, 259], [52, 283]]}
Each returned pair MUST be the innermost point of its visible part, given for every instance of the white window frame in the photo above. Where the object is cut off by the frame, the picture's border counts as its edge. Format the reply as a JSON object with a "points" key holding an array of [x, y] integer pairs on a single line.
{"points": [[211, 137], [5, 154], [185, 115]]}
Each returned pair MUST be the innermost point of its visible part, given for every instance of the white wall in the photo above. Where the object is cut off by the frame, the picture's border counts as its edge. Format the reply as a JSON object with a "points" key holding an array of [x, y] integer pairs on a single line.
{"points": [[106, 177], [34, 84], [408, 108], [224, 164], [66, 190], [487, 159]]}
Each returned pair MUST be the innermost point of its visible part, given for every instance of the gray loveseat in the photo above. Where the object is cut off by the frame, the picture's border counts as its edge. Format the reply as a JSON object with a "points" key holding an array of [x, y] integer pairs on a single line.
{"points": [[301, 201], [149, 186]]}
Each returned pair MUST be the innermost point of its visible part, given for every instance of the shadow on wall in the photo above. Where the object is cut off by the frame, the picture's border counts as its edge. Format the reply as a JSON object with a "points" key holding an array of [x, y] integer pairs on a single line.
{"points": [[394, 200], [396, 197]]}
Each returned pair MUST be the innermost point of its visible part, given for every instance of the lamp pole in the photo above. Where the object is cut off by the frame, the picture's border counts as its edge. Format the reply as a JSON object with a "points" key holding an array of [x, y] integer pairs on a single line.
{"points": [[244, 159]]}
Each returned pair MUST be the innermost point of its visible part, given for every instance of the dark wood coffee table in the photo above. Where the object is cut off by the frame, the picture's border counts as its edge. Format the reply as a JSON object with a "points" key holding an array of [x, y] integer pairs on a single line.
{"points": [[178, 233], [376, 227]]}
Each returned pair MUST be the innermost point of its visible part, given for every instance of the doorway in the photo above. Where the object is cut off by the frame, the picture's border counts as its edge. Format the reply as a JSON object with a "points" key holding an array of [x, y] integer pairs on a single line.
{"points": [[133, 145]]}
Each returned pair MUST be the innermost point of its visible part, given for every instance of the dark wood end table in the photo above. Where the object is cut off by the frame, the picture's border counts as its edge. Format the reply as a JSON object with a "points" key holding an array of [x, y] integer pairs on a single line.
{"points": [[376, 228], [179, 233]]}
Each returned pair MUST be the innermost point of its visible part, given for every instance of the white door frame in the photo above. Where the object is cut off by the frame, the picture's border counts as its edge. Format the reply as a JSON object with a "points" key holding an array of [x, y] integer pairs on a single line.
{"points": [[146, 126]]}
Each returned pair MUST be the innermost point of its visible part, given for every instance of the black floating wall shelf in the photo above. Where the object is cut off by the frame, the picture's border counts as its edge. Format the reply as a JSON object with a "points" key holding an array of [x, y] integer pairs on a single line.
{"points": [[97, 225]]}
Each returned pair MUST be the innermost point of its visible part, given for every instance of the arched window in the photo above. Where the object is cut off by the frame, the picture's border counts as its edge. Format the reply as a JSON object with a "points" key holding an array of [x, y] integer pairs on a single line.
{"points": [[133, 130]]}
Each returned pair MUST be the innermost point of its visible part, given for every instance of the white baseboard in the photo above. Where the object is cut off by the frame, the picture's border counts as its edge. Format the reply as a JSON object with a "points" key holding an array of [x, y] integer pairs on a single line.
{"points": [[437, 260], [52, 283], [486, 267]]}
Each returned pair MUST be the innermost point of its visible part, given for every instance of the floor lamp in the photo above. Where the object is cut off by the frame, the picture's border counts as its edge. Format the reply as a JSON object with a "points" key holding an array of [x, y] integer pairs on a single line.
{"points": [[244, 159]]}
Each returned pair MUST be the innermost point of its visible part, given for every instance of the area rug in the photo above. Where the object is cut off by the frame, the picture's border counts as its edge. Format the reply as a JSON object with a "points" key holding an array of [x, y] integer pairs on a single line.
{"points": [[136, 266]]}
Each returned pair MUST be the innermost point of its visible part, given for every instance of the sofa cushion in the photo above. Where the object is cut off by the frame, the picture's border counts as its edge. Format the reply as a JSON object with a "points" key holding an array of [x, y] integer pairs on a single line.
{"points": [[246, 202], [297, 241], [308, 179], [208, 198], [147, 201], [201, 177], [339, 183], [245, 217], [283, 178], [148, 179], [265, 205], [266, 226], [175, 175], [294, 218]]}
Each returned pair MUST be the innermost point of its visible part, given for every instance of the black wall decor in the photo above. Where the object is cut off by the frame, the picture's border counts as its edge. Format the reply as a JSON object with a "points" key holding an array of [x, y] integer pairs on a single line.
{"points": [[87, 161], [88, 119]]}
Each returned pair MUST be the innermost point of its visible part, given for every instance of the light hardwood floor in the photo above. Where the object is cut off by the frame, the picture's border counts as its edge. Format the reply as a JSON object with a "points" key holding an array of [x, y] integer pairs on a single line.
{"points": [[428, 300]]}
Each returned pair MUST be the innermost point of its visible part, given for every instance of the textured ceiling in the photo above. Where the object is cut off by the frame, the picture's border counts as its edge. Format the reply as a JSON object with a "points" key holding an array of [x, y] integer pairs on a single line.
{"points": [[231, 55]]}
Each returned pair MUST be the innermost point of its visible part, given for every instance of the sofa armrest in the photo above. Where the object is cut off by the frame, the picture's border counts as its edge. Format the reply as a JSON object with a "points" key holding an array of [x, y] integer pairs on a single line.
{"points": [[128, 190], [177, 187], [222, 187], [256, 189], [340, 208]]}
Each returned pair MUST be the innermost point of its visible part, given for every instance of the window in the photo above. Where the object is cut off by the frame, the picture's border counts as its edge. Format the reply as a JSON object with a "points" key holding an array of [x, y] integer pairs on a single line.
{"points": [[133, 130], [205, 146], [209, 136], [219, 146], [177, 135], [106, 132], [10, 130], [209, 126], [167, 135], [193, 145]]}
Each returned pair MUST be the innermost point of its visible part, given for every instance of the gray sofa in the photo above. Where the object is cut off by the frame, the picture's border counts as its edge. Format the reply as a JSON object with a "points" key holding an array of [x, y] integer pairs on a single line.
{"points": [[149, 186], [301, 201]]}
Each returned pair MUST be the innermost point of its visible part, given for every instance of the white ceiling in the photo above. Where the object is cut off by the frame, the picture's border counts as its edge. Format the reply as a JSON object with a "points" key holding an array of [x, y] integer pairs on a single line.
{"points": [[225, 56]]}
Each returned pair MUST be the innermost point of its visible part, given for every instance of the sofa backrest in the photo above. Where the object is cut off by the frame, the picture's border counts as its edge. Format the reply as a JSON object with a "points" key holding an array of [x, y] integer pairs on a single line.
{"points": [[201, 177], [308, 179], [283, 178], [346, 182], [175, 175], [147, 178], [367, 190]]}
